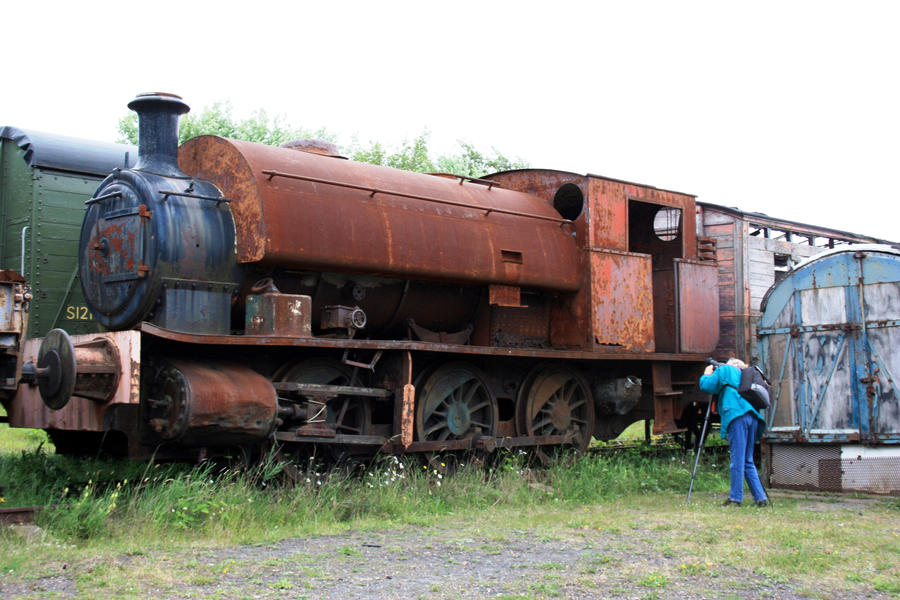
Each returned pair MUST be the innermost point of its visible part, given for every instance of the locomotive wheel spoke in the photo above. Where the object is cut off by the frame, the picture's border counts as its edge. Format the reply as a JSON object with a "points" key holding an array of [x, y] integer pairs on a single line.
{"points": [[541, 423], [556, 400], [455, 402], [473, 389], [479, 406], [435, 427]]}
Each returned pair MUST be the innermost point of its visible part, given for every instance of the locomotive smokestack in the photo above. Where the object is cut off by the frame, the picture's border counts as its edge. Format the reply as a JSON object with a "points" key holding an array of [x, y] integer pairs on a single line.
{"points": [[158, 132]]}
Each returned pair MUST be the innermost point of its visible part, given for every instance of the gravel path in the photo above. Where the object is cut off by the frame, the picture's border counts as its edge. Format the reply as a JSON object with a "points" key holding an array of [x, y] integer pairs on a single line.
{"points": [[428, 564]]}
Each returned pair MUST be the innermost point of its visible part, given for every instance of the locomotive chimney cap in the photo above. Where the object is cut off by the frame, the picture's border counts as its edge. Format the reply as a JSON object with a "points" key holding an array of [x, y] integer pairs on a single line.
{"points": [[175, 102], [158, 132]]}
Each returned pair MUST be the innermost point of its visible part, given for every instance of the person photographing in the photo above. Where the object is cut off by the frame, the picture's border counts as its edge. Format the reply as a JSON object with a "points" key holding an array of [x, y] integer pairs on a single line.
{"points": [[742, 425]]}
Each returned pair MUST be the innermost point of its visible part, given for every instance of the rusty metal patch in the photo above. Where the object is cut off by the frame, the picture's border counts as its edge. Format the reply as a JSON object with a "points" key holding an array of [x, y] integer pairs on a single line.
{"points": [[622, 300]]}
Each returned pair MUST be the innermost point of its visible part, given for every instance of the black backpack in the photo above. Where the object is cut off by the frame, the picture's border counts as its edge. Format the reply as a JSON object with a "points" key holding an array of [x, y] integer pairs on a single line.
{"points": [[754, 387]]}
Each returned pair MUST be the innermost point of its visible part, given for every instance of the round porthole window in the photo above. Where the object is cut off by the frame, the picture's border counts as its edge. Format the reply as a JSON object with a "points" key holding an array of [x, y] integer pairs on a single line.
{"points": [[667, 223], [569, 201]]}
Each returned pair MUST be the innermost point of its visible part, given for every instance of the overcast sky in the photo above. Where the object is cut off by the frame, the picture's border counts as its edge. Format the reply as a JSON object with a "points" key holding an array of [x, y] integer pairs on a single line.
{"points": [[787, 108]]}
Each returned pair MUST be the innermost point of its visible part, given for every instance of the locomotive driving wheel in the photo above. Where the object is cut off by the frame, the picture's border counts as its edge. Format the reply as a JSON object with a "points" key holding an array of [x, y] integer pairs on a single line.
{"points": [[455, 402], [556, 401], [349, 415]]}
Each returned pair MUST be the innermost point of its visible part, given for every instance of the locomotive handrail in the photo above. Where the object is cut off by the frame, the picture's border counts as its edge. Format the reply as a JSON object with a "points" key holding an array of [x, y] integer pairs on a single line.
{"points": [[102, 198], [24, 233], [167, 193], [372, 191], [488, 182]]}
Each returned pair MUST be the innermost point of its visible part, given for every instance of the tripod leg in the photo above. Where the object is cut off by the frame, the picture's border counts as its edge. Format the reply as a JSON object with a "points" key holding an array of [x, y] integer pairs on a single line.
{"points": [[700, 443]]}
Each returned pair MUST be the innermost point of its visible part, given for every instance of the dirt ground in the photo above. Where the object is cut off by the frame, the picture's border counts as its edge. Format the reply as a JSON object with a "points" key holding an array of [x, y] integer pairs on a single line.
{"points": [[425, 563]]}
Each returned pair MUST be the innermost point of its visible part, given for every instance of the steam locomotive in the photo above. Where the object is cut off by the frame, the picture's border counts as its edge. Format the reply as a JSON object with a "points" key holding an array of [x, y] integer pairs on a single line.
{"points": [[254, 294]]}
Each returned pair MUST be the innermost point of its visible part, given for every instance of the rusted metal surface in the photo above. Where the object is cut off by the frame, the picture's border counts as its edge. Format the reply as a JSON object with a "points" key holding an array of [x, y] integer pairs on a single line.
{"points": [[407, 415], [455, 401], [11, 276], [15, 301], [334, 390], [666, 400], [22, 515], [396, 236], [486, 443], [279, 314], [315, 146], [441, 337], [522, 327], [400, 194], [198, 403], [300, 437], [318, 397], [505, 295], [348, 318], [404, 410], [612, 221], [255, 341], [27, 409], [698, 306], [556, 401], [89, 369], [706, 248], [622, 300]]}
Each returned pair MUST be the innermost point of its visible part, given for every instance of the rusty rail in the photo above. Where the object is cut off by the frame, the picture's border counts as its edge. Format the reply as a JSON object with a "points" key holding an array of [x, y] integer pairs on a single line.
{"points": [[22, 515], [372, 191]]}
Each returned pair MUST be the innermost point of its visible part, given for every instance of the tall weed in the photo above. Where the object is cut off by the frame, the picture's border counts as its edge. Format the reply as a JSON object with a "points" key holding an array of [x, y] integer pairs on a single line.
{"points": [[101, 500]]}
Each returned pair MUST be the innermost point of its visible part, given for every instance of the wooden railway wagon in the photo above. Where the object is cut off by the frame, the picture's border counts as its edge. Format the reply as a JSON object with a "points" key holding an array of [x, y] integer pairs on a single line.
{"points": [[257, 294], [45, 180], [755, 251]]}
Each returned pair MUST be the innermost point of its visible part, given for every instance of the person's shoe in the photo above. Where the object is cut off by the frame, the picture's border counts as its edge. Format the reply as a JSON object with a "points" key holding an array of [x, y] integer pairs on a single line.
{"points": [[731, 502], [763, 503]]}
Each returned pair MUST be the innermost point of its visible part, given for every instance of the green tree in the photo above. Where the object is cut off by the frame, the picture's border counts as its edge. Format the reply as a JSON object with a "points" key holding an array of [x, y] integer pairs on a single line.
{"points": [[412, 155], [473, 163], [218, 120]]}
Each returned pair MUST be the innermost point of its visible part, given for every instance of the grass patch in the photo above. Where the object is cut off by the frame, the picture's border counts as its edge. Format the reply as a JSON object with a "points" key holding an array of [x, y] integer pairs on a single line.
{"points": [[14, 439], [617, 504]]}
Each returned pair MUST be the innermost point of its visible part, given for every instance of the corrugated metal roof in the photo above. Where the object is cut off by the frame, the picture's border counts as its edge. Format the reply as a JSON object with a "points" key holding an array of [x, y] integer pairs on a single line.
{"points": [[68, 153]]}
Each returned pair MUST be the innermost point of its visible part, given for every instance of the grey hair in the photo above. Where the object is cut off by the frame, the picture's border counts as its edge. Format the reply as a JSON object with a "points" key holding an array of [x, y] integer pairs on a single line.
{"points": [[736, 362]]}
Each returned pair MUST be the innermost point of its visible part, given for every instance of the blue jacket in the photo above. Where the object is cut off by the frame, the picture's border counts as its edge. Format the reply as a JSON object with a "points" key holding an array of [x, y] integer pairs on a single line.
{"points": [[730, 405]]}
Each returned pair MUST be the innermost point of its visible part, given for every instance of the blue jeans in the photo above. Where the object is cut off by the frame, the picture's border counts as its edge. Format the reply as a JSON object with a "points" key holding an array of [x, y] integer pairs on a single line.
{"points": [[741, 438]]}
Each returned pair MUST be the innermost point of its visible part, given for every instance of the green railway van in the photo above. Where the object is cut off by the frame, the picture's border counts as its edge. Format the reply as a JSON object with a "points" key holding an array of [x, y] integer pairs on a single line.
{"points": [[45, 180]]}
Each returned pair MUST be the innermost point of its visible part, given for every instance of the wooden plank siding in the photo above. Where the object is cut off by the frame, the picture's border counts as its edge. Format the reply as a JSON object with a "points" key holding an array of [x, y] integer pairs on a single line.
{"points": [[747, 266]]}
